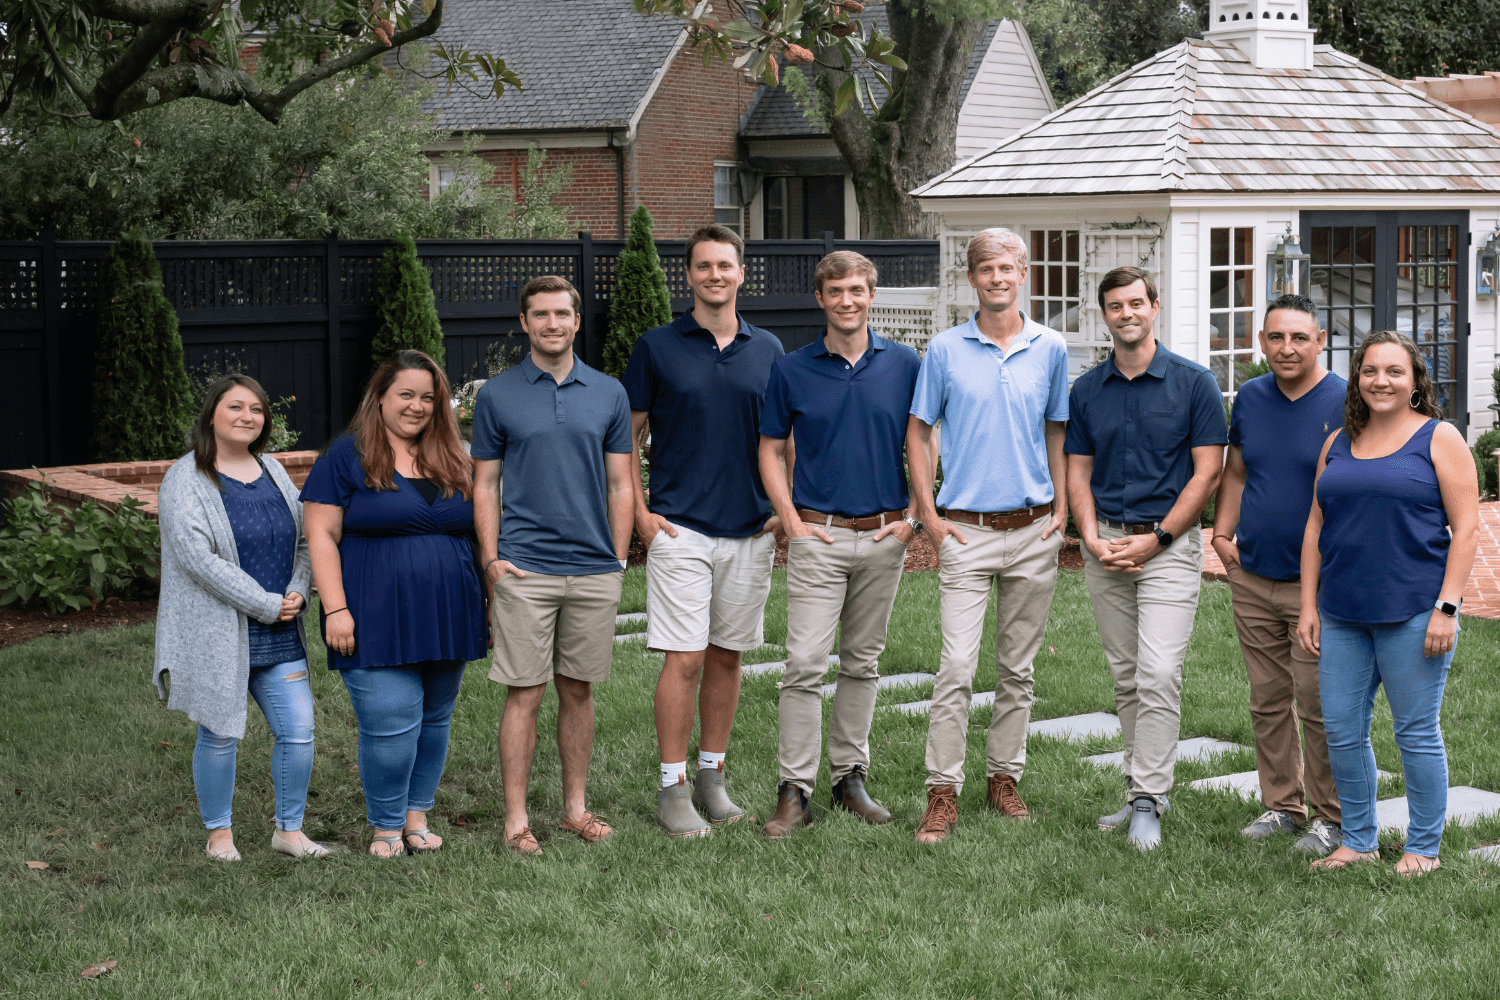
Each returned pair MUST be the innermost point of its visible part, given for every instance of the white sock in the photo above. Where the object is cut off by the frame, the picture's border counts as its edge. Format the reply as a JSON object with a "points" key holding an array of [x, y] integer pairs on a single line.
{"points": [[709, 761], [671, 772]]}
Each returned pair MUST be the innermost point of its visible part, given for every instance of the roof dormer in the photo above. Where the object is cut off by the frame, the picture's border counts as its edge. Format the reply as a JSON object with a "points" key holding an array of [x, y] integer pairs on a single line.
{"points": [[1274, 34]]}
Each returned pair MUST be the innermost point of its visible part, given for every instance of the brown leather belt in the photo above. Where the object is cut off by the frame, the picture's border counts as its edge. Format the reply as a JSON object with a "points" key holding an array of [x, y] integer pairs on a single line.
{"points": [[870, 523], [1007, 520], [1131, 529]]}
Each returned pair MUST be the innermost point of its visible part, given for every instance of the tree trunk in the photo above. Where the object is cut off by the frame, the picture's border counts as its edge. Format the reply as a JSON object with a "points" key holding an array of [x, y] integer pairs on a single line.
{"points": [[912, 138]]}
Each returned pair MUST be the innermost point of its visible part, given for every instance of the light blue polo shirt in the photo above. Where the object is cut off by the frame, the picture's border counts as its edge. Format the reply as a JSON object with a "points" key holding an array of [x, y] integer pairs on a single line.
{"points": [[993, 406]]}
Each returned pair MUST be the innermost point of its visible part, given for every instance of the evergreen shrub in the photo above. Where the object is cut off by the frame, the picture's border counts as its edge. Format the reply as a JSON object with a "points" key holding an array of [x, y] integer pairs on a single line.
{"points": [[1484, 460], [639, 300], [405, 308]]}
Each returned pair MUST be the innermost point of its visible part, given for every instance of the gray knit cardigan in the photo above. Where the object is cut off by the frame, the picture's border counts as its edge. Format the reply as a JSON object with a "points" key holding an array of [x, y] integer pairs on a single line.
{"points": [[202, 630]]}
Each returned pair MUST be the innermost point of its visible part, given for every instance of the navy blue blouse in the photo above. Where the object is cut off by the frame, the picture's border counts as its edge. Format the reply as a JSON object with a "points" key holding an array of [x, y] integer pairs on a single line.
{"points": [[265, 535], [409, 574]]}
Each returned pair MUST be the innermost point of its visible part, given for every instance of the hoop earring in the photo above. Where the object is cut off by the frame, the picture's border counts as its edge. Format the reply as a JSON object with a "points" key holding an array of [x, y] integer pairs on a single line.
{"points": [[1415, 399]]}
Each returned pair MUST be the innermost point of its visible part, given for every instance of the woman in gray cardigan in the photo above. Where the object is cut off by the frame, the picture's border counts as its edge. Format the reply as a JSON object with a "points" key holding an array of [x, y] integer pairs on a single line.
{"points": [[234, 584]]}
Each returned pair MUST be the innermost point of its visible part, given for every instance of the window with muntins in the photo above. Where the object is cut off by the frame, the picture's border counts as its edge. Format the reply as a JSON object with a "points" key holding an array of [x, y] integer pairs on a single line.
{"points": [[1055, 279], [727, 209], [1231, 305]]}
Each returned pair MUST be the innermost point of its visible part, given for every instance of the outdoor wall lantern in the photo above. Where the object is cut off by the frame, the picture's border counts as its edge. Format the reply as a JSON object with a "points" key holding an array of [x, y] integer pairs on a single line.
{"points": [[1287, 267], [1487, 268]]}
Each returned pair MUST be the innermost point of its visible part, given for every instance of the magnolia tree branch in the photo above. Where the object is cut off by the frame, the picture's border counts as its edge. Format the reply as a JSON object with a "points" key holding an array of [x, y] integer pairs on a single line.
{"points": [[192, 13], [63, 70]]}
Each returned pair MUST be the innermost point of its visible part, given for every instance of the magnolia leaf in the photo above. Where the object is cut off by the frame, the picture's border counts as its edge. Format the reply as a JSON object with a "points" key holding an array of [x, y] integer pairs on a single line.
{"points": [[99, 970], [39, 866], [844, 95]]}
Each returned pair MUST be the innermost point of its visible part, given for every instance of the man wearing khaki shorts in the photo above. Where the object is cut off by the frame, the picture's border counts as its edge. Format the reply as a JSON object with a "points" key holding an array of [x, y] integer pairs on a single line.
{"points": [[846, 396], [700, 381], [556, 558], [999, 384]]}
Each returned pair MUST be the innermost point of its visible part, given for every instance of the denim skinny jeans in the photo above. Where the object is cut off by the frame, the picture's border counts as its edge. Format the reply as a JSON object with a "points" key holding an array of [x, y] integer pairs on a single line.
{"points": [[285, 697], [1356, 659], [404, 714]]}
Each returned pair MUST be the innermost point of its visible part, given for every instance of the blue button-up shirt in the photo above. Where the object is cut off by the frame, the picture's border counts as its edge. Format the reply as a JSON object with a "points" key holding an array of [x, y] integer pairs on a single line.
{"points": [[552, 438], [1141, 432], [994, 405], [850, 424], [704, 407]]}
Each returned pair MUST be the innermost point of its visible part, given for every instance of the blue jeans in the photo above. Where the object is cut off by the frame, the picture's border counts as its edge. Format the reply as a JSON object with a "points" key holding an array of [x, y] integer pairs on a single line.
{"points": [[403, 714], [284, 696], [1357, 659]]}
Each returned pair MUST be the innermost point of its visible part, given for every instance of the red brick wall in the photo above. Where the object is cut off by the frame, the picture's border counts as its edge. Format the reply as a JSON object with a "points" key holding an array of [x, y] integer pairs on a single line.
{"points": [[590, 194]]}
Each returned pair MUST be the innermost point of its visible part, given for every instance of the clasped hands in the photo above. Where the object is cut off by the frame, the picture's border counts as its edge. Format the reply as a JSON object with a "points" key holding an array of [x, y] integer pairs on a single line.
{"points": [[1125, 555]]}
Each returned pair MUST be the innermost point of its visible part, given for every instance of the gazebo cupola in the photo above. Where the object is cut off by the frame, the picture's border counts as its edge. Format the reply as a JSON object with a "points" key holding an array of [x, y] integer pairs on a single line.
{"points": [[1274, 34]]}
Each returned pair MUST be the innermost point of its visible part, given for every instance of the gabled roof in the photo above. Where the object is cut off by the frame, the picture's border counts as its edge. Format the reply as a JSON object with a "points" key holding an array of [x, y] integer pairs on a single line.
{"points": [[1477, 95], [584, 64], [1201, 117]]}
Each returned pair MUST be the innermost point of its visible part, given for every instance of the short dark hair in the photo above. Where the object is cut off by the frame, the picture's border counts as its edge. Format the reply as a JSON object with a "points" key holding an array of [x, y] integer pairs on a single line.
{"points": [[542, 284], [841, 264], [1296, 303], [1122, 277], [205, 445], [716, 234]]}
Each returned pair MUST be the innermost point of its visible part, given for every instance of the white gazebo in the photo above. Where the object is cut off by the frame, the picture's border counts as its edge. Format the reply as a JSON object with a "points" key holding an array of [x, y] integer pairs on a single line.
{"points": [[1197, 163]]}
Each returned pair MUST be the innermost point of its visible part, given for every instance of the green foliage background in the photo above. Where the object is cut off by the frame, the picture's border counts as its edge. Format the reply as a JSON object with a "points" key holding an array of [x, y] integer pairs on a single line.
{"points": [[405, 307], [639, 300], [142, 403]]}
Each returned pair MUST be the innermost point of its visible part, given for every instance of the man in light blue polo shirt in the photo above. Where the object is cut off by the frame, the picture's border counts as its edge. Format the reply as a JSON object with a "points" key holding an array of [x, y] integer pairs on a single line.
{"points": [[556, 558], [999, 384]]}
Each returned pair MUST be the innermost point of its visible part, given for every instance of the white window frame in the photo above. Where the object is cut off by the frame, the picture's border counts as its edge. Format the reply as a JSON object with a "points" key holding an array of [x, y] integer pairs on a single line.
{"points": [[738, 203], [1231, 354]]}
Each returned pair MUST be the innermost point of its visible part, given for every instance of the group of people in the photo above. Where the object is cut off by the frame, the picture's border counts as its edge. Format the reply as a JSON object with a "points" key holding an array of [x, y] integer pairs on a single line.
{"points": [[1346, 516]]}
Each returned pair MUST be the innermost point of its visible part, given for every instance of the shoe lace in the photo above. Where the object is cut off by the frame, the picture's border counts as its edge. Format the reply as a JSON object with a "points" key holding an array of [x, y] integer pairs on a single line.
{"points": [[1005, 793], [1322, 832], [1271, 817], [942, 812]]}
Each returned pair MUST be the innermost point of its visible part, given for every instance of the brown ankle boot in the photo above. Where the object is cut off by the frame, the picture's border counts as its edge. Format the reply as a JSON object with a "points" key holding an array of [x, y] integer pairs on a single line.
{"points": [[851, 794], [793, 809], [1005, 799], [941, 815]]}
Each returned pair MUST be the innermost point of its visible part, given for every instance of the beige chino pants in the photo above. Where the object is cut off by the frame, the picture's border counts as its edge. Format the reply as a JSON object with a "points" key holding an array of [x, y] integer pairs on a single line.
{"points": [[1023, 567], [1266, 613], [850, 585], [1145, 621]]}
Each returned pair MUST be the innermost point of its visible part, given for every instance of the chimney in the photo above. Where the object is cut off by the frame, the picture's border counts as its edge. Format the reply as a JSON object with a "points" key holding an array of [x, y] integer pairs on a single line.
{"points": [[1273, 34]]}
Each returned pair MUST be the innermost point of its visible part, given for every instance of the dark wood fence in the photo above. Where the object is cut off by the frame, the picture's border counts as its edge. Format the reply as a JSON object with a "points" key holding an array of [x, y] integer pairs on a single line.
{"points": [[300, 314]]}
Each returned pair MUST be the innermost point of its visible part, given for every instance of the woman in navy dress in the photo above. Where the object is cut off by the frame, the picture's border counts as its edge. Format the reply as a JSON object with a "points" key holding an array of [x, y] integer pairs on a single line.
{"points": [[389, 516]]}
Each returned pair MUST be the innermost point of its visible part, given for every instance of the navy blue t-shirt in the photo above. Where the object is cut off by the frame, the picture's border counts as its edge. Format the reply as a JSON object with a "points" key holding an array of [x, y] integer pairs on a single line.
{"points": [[552, 439], [265, 538], [704, 407], [1141, 432], [850, 422], [1280, 440]]}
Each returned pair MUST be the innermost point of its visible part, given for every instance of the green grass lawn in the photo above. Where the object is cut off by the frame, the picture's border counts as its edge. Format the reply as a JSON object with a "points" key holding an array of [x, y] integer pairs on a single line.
{"points": [[97, 781]]}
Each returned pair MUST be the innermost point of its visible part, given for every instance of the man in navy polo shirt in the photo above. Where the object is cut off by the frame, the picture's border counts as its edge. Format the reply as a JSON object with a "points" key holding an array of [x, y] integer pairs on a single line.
{"points": [[556, 558], [1145, 449], [845, 396], [700, 382], [999, 385], [1277, 431]]}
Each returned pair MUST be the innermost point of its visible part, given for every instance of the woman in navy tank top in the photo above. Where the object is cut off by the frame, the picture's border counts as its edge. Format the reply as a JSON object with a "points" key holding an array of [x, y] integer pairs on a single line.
{"points": [[1391, 538]]}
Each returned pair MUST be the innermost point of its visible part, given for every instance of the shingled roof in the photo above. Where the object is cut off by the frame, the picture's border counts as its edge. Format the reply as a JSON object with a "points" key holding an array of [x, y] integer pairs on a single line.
{"points": [[584, 64], [1201, 117]]}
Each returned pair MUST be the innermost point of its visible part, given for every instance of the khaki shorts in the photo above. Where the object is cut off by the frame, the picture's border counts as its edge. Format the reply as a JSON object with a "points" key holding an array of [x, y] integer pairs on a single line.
{"points": [[545, 625], [702, 590]]}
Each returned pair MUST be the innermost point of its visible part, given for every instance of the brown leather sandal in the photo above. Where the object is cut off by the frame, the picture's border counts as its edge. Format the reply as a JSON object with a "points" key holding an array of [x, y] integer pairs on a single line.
{"points": [[591, 828], [524, 842]]}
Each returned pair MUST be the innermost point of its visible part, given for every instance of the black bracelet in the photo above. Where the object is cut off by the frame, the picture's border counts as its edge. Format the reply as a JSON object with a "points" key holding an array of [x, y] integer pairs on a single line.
{"points": [[330, 614], [489, 564]]}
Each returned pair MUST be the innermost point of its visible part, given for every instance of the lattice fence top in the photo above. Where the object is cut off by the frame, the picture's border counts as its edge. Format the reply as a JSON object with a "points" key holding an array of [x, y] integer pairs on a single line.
{"points": [[20, 285], [906, 315]]}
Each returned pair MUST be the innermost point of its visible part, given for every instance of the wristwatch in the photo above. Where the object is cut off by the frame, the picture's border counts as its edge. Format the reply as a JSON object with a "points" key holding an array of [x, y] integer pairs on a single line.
{"points": [[916, 526], [1163, 538], [1448, 607]]}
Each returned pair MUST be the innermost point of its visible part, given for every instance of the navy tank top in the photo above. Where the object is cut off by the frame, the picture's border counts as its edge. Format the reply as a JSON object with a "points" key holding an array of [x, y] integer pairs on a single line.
{"points": [[1385, 533]]}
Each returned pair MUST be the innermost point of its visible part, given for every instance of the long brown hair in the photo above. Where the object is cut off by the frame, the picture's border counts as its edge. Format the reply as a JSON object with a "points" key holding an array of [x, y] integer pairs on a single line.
{"points": [[205, 445], [440, 457], [1357, 412]]}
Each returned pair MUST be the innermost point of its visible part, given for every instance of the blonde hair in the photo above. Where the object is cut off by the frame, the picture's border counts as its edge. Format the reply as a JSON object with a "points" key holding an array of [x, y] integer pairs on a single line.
{"points": [[841, 264], [994, 242]]}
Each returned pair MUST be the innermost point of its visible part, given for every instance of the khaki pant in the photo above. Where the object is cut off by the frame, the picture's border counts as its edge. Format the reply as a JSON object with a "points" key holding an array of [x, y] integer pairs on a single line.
{"points": [[850, 585], [545, 625], [1281, 672], [1145, 621], [1023, 566]]}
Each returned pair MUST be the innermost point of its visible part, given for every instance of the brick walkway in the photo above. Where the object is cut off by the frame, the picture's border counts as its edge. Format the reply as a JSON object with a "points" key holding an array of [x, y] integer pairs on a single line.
{"points": [[1481, 599]]}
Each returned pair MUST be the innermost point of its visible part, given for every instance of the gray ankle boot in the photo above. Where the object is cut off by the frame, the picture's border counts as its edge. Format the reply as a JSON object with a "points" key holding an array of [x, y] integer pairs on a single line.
{"points": [[1145, 824], [675, 813], [709, 795]]}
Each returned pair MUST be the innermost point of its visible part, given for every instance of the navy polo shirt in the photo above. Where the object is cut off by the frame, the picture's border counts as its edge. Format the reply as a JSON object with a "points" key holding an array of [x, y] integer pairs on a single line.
{"points": [[552, 438], [704, 407], [850, 421], [1141, 432], [1280, 440]]}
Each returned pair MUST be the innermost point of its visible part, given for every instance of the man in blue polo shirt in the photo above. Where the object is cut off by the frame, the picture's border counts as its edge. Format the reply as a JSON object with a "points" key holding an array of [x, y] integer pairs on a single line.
{"points": [[556, 558], [1277, 431], [1145, 449], [845, 396], [700, 382], [999, 384]]}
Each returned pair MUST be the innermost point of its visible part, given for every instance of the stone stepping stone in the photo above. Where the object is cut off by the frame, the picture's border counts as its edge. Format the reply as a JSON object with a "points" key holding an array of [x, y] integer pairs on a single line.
{"points": [[923, 707], [888, 681], [1077, 727], [1245, 784], [1491, 853], [630, 616], [1465, 805], [1197, 748], [779, 666]]}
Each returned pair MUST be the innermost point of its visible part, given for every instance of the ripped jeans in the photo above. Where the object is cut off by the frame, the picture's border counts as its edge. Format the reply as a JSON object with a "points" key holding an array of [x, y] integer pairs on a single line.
{"points": [[285, 697]]}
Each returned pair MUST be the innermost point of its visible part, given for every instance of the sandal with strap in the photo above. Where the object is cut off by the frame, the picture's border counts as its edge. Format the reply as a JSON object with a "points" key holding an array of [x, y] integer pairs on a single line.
{"points": [[1332, 863], [524, 842], [393, 841], [591, 828], [421, 835]]}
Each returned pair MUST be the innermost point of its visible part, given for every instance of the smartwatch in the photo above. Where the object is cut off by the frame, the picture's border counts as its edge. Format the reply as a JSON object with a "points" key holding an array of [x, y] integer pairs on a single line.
{"points": [[1448, 607], [916, 526], [1163, 538]]}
